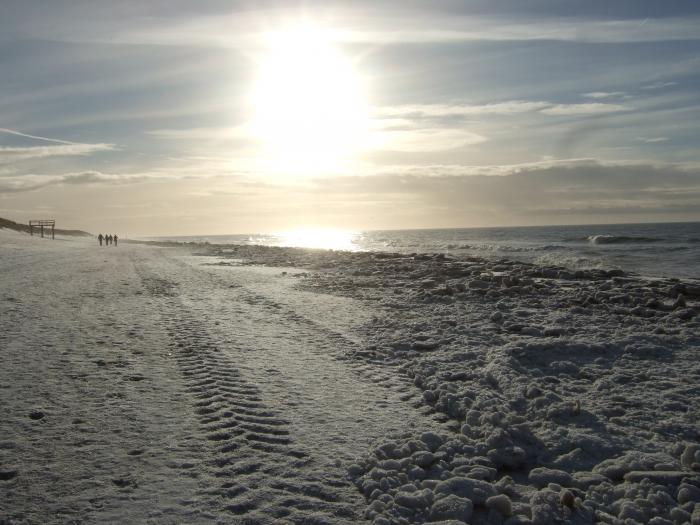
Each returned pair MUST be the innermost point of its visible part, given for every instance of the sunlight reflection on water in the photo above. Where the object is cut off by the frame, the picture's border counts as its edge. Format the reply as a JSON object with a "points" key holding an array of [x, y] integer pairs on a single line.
{"points": [[323, 238]]}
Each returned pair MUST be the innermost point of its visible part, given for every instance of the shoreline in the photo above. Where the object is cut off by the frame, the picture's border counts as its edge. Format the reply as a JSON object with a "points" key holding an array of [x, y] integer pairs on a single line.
{"points": [[256, 255]]}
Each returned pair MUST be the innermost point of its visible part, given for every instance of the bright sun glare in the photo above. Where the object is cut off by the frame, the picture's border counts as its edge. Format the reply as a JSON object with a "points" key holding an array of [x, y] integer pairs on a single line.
{"points": [[323, 238], [310, 112]]}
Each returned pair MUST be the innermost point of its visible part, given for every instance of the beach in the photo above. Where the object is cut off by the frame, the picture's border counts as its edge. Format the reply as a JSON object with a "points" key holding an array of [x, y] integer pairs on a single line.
{"points": [[191, 383]]}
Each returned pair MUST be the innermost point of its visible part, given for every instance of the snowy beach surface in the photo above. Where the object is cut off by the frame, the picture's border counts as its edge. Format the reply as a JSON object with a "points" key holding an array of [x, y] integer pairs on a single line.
{"points": [[244, 384]]}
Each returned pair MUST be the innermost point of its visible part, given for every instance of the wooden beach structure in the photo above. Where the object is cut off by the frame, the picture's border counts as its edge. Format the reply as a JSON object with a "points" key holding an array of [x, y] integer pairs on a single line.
{"points": [[41, 223]]}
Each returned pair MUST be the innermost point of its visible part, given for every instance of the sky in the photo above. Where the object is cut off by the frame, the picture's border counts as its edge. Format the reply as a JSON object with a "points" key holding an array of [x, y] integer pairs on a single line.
{"points": [[215, 117]]}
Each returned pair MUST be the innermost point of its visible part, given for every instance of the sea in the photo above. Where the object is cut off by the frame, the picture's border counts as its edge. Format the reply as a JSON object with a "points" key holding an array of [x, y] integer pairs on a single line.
{"points": [[653, 250]]}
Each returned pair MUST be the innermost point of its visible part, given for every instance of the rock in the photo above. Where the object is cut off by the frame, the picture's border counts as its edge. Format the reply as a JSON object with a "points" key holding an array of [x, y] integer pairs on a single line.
{"points": [[355, 470], [679, 302], [511, 457], [501, 503], [695, 518], [7, 474], [533, 391], [36, 415], [583, 480], [685, 314], [425, 345], [547, 508], [662, 477], [423, 458], [478, 284], [476, 490], [414, 500], [679, 515], [481, 472], [432, 440], [690, 455], [554, 331], [567, 498], [688, 493], [658, 520], [542, 476], [452, 507]]}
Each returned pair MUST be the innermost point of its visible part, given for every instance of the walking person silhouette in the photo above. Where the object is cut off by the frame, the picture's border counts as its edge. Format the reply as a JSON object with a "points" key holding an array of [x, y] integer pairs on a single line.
{"points": [[99, 238], [116, 239]]}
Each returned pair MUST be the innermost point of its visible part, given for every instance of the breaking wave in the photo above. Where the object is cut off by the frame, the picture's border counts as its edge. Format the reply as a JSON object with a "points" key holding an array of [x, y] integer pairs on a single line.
{"points": [[621, 239]]}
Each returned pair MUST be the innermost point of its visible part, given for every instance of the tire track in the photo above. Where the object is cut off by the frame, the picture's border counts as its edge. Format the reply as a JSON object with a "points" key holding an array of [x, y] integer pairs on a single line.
{"points": [[250, 468], [381, 372]]}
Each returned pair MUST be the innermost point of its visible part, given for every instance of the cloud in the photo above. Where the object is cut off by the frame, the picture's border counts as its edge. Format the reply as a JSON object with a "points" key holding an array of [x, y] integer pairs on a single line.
{"points": [[480, 28], [652, 140], [591, 108], [569, 190], [449, 110], [9, 154], [510, 107], [426, 140], [32, 182], [391, 24], [659, 85], [202, 133], [605, 94]]}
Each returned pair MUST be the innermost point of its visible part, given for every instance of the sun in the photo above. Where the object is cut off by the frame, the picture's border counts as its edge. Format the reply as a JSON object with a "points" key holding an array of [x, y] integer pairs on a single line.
{"points": [[310, 113]]}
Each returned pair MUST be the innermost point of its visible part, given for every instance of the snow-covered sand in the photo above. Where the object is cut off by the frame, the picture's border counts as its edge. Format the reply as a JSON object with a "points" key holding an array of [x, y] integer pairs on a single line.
{"points": [[139, 385], [271, 385]]}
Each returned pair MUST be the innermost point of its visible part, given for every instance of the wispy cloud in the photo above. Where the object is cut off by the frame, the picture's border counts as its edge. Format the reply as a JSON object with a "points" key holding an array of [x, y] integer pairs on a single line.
{"points": [[652, 140], [203, 133], [510, 107], [592, 108], [659, 85], [10, 154], [426, 139], [30, 182], [605, 94], [396, 24]]}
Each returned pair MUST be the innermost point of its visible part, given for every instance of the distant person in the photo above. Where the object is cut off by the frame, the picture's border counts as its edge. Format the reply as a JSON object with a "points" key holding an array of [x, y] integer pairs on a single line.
{"points": [[99, 238], [109, 239], [116, 239]]}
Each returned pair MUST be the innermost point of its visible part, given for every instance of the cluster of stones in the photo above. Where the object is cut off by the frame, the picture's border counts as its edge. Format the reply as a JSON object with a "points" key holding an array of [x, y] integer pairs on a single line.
{"points": [[526, 363], [438, 479]]}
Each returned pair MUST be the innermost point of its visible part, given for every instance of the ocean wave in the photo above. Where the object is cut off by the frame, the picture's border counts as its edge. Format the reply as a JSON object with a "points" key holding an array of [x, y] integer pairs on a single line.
{"points": [[621, 239], [499, 247]]}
